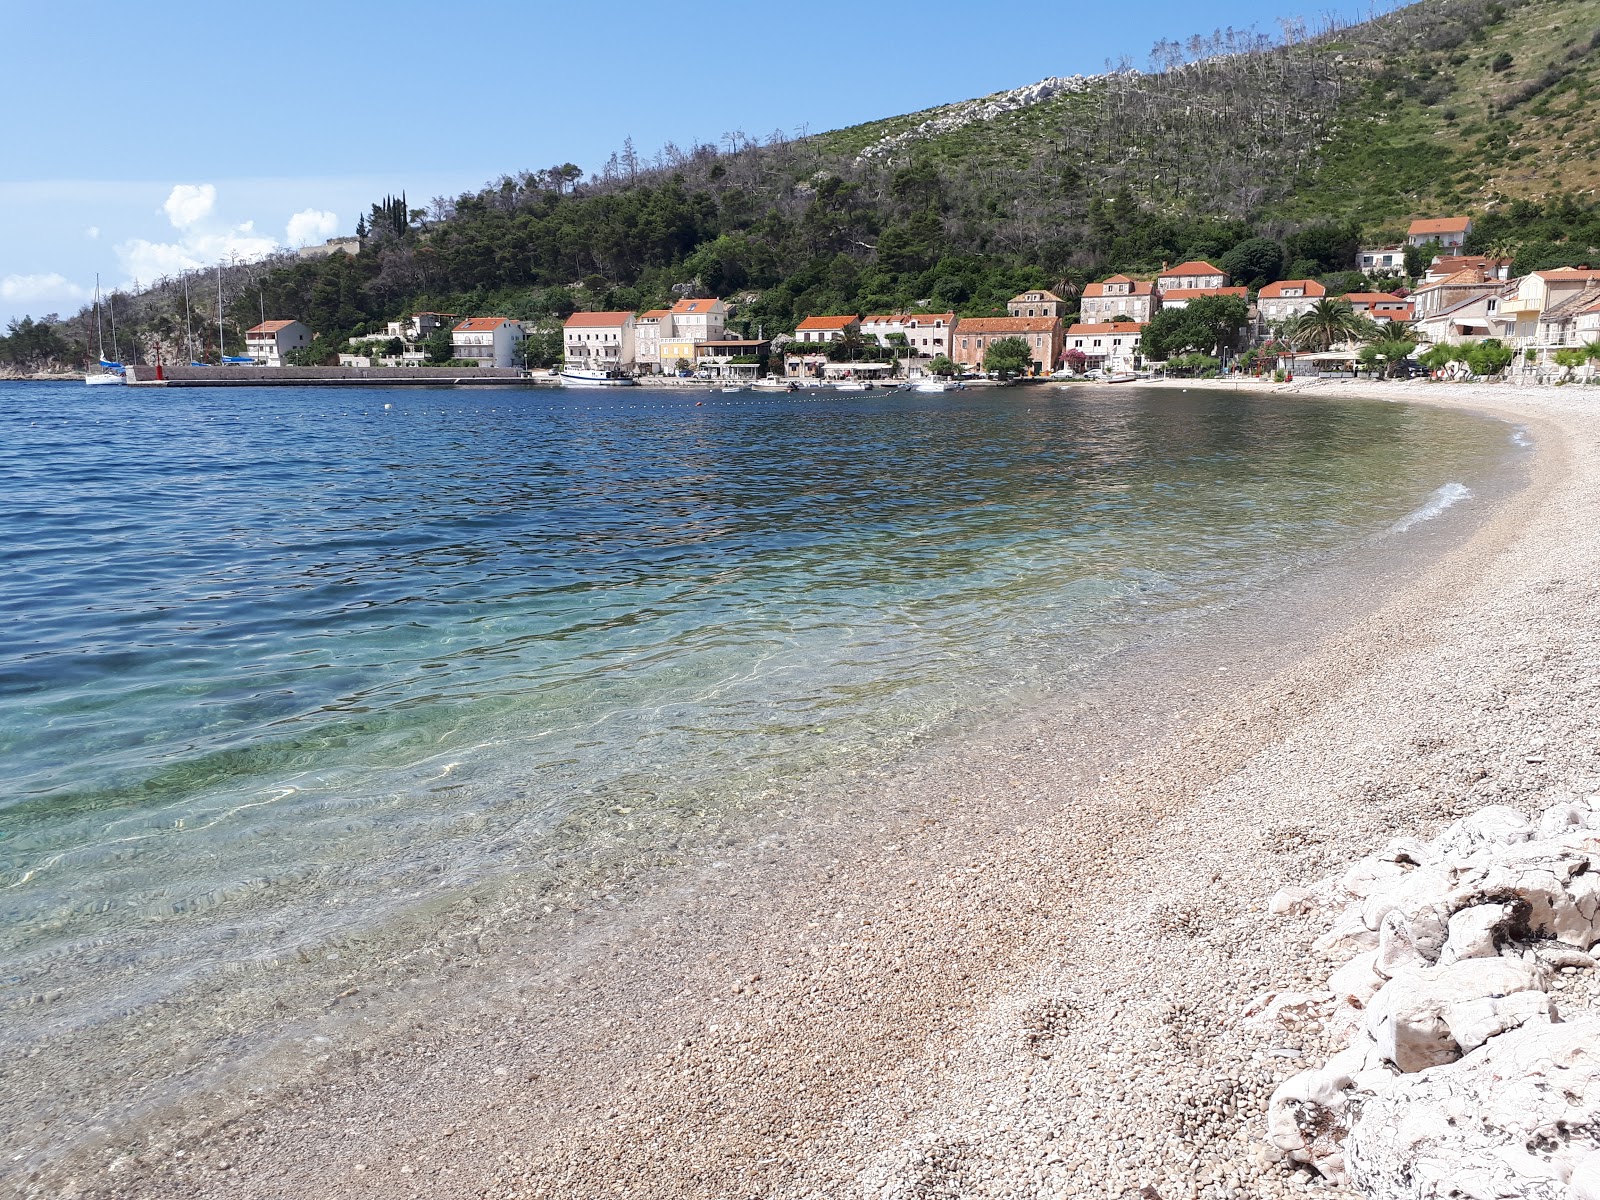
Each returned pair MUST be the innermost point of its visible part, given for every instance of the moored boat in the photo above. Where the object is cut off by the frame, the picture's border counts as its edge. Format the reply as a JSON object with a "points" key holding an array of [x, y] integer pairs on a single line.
{"points": [[580, 378]]}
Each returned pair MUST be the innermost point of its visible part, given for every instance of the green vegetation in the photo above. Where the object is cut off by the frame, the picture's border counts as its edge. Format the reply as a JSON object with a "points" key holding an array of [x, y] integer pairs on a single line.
{"points": [[34, 345], [1208, 325], [1008, 357]]}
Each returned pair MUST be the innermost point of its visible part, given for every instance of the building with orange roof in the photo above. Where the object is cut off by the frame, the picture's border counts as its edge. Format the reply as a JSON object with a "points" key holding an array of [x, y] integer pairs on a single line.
{"points": [[1288, 298], [1378, 305], [487, 341], [1436, 295], [599, 341], [699, 320], [974, 335], [1192, 276], [268, 343], [1111, 346], [1449, 232], [1446, 265], [1119, 296], [826, 329], [926, 334]]}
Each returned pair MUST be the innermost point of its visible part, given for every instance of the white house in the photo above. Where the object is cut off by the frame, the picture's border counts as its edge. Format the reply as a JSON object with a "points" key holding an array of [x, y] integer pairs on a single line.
{"points": [[1539, 292], [699, 320], [648, 330], [1449, 232], [268, 342], [1382, 260], [1190, 276], [1288, 298], [1112, 347], [928, 334], [487, 341], [1470, 319], [600, 341], [880, 327], [1118, 296]]}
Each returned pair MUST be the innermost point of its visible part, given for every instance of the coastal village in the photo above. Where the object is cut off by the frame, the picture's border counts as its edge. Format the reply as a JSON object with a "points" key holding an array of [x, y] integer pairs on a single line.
{"points": [[1544, 320]]}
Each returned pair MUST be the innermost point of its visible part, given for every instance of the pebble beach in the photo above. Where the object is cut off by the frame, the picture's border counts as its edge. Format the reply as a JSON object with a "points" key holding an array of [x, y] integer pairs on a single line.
{"points": [[1015, 966]]}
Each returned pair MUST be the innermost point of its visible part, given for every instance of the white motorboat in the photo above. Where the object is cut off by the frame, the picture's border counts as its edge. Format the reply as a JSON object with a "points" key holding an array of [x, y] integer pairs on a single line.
{"points": [[851, 385], [931, 385], [577, 377]]}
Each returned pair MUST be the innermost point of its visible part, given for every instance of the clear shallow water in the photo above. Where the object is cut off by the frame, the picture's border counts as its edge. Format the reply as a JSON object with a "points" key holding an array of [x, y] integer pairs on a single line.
{"points": [[275, 664]]}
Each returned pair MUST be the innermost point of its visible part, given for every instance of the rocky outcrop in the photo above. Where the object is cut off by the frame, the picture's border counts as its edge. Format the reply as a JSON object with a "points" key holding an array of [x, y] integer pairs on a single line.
{"points": [[954, 116], [1468, 1044]]}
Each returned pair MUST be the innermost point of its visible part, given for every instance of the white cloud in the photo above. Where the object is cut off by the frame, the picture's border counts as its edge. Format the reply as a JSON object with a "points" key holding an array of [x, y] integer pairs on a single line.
{"points": [[188, 204], [312, 225], [92, 233], [26, 289], [147, 261], [203, 240]]}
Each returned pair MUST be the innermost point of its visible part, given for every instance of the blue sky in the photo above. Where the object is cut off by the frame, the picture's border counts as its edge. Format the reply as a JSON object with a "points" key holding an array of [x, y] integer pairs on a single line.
{"points": [[142, 140]]}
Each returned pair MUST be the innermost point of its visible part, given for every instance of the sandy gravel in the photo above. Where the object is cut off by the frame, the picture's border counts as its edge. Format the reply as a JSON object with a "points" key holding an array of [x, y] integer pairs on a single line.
{"points": [[1013, 967]]}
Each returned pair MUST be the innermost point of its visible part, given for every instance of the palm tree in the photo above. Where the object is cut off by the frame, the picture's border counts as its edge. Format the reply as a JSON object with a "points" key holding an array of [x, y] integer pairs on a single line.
{"points": [[1325, 324], [1393, 349]]}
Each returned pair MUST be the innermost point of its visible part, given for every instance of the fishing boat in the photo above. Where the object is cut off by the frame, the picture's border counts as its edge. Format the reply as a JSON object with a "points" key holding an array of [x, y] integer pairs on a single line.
{"points": [[109, 372], [579, 377]]}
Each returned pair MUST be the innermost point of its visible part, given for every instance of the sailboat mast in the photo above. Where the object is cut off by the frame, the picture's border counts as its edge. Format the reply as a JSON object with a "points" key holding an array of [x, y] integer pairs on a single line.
{"points": [[221, 353], [99, 323], [115, 349], [188, 321]]}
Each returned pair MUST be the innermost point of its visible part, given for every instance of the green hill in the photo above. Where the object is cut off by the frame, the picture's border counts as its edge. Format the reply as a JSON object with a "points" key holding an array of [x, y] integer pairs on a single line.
{"points": [[1307, 143]]}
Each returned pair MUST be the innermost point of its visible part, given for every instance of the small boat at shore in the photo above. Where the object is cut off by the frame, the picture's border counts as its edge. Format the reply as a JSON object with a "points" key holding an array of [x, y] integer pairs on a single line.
{"points": [[577, 377]]}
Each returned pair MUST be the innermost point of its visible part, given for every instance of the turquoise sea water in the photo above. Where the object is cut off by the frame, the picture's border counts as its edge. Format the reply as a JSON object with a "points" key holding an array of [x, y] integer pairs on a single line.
{"points": [[277, 663]]}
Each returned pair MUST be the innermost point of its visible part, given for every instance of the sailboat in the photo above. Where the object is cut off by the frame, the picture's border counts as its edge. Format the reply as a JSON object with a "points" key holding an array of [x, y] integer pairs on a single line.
{"points": [[109, 372]]}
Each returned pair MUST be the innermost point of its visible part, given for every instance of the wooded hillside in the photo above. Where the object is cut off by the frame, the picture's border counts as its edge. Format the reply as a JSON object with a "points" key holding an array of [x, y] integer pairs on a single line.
{"points": [[1308, 139]]}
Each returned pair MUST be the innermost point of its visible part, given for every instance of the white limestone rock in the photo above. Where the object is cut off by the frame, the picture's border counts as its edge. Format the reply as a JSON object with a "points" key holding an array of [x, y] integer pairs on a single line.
{"points": [[1428, 1016], [1480, 931], [1291, 902], [1519, 1118]]}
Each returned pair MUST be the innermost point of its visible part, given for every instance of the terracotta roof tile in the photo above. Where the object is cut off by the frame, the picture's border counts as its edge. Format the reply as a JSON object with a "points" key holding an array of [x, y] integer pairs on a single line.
{"points": [[843, 322], [482, 324], [268, 327], [1428, 225], [1008, 324], [1274, 291]]}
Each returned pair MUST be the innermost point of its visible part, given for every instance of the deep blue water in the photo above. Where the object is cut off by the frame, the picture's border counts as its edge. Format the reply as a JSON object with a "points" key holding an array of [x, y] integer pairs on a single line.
{"points": [[274, 661]]}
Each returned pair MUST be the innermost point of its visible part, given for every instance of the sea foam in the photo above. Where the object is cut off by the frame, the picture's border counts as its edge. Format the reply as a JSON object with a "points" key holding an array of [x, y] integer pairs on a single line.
{"points": [[1443, 499]]}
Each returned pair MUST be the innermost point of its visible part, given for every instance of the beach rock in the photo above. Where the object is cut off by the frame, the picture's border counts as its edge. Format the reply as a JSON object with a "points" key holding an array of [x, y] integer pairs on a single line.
{"points": [[1480, 931], [1289, 1012], [1410, 941], [1561, 818], [1497, 825], [1291, 901], [1520, 1118], [1432, 1015], [1309, 1114]]}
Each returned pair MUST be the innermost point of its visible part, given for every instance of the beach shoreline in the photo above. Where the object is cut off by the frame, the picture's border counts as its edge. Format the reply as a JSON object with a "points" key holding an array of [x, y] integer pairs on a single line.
{"points": [[1016, 970]]}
